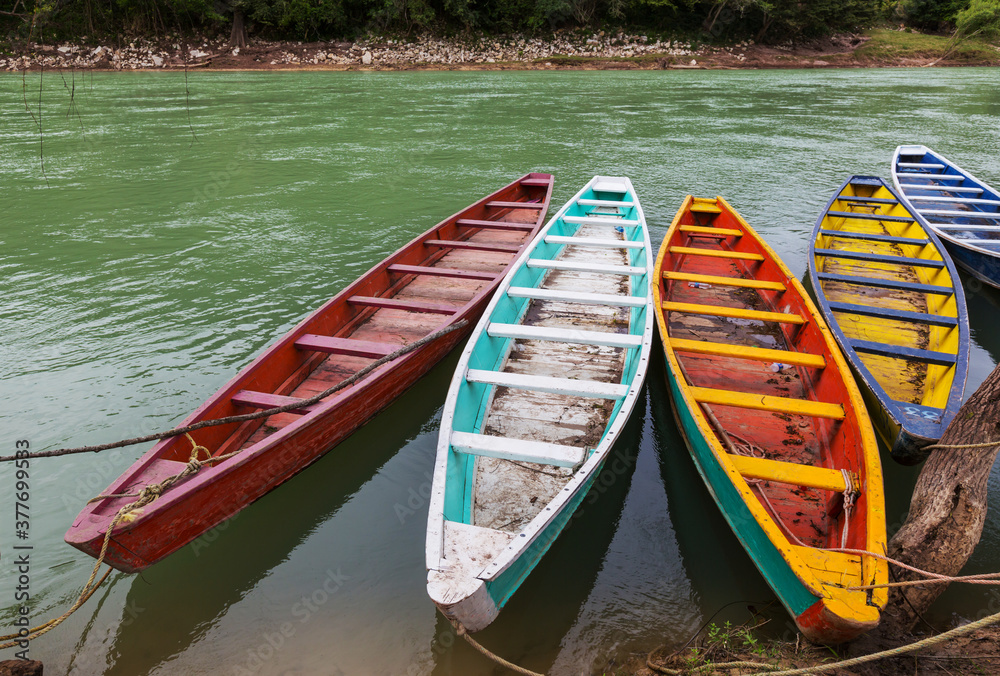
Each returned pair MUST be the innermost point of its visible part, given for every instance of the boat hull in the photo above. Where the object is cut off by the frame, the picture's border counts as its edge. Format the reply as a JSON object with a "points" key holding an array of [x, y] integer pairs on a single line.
{"points": [[796, 598], [754, 377], [218, 494], [984, 268], [478, 610], [521, 443], [396, 302], [980, 257], [905, 332]]}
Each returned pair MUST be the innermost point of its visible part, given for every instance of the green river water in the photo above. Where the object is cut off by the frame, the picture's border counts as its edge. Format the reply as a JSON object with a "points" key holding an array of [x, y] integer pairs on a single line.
{"points": [[168, 244]]}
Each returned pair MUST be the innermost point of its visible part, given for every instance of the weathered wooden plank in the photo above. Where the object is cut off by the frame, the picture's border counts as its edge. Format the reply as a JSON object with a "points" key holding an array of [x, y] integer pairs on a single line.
{"points": [[710, 231], [494, 225], [265, 400], [348, 346], [723, 281], [942, 188], [592, 242], [715, 253], [765, 402], [596, 220], [406, 305], [584, 202], [576, 296], [525, 332], [749, 352], [471, 246], [517, 449], [585, 267], [568, 386], [442, 272], [901, 315], [790, 473], [501, 204], [736, 312]]}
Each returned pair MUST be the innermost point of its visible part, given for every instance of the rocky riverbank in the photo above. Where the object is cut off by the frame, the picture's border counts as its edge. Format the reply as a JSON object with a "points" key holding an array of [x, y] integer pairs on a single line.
{"points": [[563, 50], [367, 53]]}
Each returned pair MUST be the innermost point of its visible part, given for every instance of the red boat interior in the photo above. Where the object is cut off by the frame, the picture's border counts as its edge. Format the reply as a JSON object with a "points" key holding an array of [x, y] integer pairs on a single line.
{"points": [[761, 372], [407, 297]]}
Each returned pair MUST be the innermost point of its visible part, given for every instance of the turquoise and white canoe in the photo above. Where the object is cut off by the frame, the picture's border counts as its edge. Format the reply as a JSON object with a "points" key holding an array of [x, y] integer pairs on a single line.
{"points": [[542, 391]]}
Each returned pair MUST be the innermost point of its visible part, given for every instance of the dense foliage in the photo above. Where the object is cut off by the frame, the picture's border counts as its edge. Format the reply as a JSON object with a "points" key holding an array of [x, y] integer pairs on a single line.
{"points": [[700, 20], [981, 16]]}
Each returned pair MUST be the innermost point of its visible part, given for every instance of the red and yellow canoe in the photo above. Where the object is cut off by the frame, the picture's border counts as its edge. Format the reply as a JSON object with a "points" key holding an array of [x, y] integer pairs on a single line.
{"points": [[773, 419]]}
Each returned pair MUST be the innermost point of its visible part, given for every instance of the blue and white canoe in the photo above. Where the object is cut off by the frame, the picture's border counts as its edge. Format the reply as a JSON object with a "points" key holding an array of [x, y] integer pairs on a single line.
{"points": [[540, 394], [962, 210]]}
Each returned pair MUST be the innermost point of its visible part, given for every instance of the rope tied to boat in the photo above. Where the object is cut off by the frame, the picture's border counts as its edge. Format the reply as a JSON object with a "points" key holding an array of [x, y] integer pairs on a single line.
{"points": [[126, 514], [932, 578], [153, 491], [461, 631], [150, 493], [265, 413], [850, 496]]}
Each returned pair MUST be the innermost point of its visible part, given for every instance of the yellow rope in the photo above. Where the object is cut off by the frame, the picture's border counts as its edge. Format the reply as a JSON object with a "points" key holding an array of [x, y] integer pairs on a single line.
{"points": [[460, 630], [145, 496]]}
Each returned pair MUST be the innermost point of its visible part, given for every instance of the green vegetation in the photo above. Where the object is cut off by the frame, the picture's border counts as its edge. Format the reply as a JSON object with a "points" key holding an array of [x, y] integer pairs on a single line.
{"points": [[700, 21], [892, 45], [980, 17]]}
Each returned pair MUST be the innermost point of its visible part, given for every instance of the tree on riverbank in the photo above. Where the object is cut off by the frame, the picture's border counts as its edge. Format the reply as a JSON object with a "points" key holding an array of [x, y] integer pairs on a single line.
{"points": [[701, 20]]}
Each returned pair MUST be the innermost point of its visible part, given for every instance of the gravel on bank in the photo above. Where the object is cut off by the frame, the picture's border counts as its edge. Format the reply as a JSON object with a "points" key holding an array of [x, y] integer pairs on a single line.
{"points": [[371, 52]]}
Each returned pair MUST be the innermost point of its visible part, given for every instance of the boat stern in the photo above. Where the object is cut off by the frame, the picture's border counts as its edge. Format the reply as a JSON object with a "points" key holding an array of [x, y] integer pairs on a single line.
{"points": [[462, 599], [844, 609], [831, 621]]}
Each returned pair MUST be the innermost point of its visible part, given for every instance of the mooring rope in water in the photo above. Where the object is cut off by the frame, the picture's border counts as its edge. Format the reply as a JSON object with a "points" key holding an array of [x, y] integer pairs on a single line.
{"points": [[461, 631], [145, 496], [248, 416]]}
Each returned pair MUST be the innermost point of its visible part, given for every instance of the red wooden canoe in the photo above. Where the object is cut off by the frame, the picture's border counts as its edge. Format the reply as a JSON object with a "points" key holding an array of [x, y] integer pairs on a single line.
{"points": [[443, 276]]}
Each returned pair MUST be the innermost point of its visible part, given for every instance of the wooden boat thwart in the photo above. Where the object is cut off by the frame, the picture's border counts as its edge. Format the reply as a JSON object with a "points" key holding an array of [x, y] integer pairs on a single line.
{"points": [[962, 210], [444, 276], [540, 394], [772, 418], [895, 304]]}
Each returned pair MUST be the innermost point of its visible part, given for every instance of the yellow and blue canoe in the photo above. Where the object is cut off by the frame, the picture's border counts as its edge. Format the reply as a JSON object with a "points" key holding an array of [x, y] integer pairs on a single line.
{"points": [[895, 303], [773, 419]]}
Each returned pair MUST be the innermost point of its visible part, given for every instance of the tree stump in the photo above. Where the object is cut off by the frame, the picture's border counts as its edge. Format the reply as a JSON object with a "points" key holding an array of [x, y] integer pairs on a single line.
{"points": [[948, 507]]}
